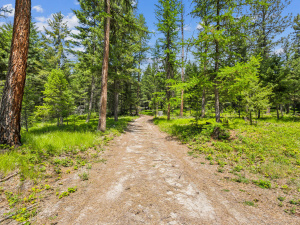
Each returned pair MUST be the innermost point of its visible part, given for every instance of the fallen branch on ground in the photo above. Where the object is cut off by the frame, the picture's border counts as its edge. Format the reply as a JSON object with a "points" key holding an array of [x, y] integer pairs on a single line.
{"points": [[7, 178]]}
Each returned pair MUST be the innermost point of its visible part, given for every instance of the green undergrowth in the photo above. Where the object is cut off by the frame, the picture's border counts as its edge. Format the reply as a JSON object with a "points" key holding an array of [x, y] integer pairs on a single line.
{"points": [[44, 142], [269, 150], [147, 112]]}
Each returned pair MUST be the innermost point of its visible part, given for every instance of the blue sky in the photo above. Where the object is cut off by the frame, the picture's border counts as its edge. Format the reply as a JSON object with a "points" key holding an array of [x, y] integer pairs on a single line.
{"points": [[42, 10]]}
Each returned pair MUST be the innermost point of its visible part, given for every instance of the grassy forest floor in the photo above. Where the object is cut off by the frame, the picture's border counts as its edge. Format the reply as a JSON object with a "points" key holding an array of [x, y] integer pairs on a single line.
{"points": [[266, 154], [251, 169], [50, 152]]}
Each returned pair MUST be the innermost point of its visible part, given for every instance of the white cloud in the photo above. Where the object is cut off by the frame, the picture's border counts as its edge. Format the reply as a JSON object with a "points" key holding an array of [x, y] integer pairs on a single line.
{"points": [[38, 8], [199, 27], [42, 22], [279, 51], [70, 19], [10, 8], [187, 28], [75, 31], [76, 2]]}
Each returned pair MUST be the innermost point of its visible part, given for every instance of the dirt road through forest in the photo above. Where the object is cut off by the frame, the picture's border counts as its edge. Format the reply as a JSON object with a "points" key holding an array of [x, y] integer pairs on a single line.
{"points": [[150, 179]]}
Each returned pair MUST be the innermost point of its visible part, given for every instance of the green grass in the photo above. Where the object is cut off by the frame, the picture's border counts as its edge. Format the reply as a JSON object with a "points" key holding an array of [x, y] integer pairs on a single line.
{"points": [[147, 112], [270, 149], [45, 141]]}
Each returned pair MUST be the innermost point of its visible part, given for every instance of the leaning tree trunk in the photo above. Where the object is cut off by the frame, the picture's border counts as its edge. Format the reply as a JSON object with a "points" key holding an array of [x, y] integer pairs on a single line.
{"points": [[11, 102], [103, 98]]}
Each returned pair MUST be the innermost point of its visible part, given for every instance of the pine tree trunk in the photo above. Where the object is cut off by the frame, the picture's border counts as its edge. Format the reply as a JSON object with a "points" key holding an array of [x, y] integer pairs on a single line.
{"points": [[103, 99], [203, 104], [287, 108], [11, 102], [168, 88], [217, 105], [277, 110], [139, 87], [26, 120], [61, 118], [116, 100], [182, 61], [217, 98], [91, 100]]}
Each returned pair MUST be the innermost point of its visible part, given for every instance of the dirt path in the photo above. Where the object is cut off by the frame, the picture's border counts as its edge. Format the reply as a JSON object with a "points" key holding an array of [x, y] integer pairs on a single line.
{"points": [[150, 179]]}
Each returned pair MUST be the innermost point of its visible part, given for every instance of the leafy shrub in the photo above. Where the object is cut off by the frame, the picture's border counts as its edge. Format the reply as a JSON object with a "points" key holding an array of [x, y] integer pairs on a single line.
{"points": [[263, 183]]}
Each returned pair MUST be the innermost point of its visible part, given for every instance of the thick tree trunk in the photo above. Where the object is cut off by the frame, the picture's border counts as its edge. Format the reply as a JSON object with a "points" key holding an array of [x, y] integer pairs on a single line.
{"points": [[103, 99], [116, 100], [258, 114], [203, 104], [182, 61], [91, 100], [11, 102]]}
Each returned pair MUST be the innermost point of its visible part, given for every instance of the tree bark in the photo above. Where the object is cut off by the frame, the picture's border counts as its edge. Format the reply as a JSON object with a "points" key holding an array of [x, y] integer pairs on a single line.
{"points": [[103, 98], [287, 108], [168, 88], [91, 99], [203, 104], [277, 110], [139, 87], [11, 102], [26, 120], [258, 114], [182, 61], [217, 98], [281, 110], [116, 99]]}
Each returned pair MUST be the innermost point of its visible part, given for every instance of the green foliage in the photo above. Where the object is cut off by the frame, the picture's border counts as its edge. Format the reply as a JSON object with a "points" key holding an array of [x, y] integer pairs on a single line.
{"points": [[249, 203], [263, 183], [46, 140], [269, 149], [84, 176], [58, 101]]}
